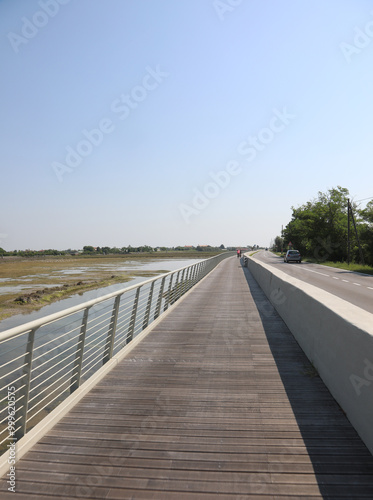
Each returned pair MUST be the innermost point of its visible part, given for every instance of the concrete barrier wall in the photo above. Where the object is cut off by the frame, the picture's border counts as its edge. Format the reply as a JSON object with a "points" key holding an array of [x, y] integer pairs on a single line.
{"points": [[336, 336]]}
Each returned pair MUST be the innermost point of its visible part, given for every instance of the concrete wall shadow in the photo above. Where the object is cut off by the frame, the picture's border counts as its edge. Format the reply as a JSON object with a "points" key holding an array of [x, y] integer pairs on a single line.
{"points": [[342, 464]]}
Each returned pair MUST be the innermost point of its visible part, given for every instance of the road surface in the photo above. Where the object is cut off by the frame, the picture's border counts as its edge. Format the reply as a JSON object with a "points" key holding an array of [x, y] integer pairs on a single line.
{"points": [[353, 287]]}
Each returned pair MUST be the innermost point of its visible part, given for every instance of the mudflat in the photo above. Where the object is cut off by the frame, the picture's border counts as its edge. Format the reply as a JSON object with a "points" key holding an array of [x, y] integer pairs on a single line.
{"points": [[27, 284]]}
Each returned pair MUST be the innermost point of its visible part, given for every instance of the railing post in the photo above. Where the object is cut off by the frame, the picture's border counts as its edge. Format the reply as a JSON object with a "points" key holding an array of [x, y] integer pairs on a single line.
{"points": [[181, 287], [174, 293], [108, 351], [78, 362], [148, 307], [21, 410], [131, 327], [159, 300], [199, 273], [211, 266], [194, 274], [187, 280], [195, 277], [168, 294]]}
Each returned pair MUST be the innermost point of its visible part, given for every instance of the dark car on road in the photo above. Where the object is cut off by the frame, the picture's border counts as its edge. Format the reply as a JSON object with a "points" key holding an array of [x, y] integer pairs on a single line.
{"points": [[293, 256]]}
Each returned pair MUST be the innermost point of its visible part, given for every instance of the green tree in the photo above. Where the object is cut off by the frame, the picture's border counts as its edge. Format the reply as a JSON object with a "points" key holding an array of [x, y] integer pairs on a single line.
{"points": [[366, 232], [278, 244], [146, 248], [88, 249], [319, 228]]}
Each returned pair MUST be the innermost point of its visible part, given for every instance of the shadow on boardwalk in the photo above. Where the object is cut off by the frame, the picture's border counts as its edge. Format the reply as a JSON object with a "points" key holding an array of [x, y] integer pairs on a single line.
{"points": [[342, 464]]}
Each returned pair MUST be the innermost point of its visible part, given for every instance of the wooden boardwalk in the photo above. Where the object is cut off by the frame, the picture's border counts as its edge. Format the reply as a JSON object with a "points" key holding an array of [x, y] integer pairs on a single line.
{"points": [[218, 402]]}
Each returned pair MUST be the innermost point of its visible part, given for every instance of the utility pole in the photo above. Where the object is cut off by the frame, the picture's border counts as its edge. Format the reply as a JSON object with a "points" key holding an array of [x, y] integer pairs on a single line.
{"points": [[348, 231], [348, 234], [282, 238]]}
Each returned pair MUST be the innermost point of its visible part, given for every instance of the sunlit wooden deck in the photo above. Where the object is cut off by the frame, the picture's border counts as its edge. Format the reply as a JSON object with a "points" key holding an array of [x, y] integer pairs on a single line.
{"points": [[218, 401]]}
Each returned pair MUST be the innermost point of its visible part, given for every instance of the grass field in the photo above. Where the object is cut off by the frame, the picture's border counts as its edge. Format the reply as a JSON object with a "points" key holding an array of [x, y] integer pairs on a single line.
{"points": [[53, 278], [357, 268]]}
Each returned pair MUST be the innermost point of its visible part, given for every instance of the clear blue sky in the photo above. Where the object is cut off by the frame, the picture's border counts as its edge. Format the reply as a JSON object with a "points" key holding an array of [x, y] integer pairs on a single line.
{"points": [[118, 115]]}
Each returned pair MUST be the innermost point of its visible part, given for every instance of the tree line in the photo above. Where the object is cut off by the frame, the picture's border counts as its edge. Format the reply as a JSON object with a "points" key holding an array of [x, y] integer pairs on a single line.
{"points": [[319, 229], [105, 250], [148, 249]]}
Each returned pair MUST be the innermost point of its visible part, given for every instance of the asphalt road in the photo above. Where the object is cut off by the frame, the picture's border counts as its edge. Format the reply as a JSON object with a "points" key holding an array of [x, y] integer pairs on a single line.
{"points": [[353, 287]]}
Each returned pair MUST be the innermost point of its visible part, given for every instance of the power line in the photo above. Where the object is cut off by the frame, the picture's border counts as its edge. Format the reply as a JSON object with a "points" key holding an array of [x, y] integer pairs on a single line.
{"points": [[371, 198]]}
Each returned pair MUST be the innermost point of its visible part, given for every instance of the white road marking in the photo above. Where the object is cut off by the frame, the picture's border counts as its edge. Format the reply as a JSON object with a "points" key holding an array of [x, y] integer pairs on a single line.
{"points": [[334, 277], [316, 272]]}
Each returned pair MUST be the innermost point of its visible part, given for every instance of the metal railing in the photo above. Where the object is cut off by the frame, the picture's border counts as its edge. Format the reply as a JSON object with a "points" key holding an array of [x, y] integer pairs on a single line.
{"points": [[42, 362]]}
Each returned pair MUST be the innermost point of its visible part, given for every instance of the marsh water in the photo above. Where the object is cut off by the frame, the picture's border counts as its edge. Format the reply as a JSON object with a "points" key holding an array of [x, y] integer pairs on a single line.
{"points": [[162, 265]]}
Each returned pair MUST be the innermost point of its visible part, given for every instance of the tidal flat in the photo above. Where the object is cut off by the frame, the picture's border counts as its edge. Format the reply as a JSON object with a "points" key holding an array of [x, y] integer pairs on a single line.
{"points": [[27, 284]]}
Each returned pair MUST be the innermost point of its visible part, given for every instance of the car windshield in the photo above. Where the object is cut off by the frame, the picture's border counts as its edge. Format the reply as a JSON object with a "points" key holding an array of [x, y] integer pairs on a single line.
{"points": [[294, 252]]}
